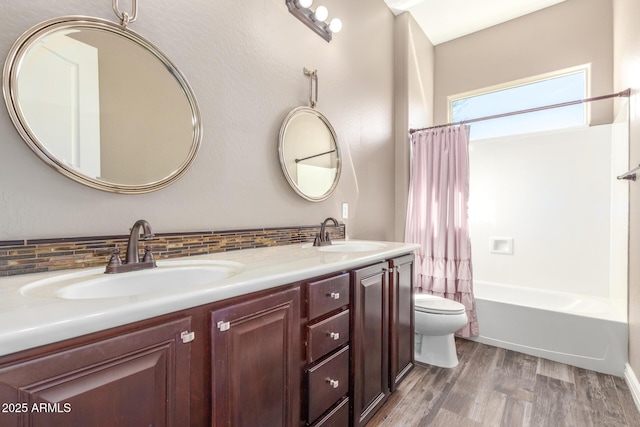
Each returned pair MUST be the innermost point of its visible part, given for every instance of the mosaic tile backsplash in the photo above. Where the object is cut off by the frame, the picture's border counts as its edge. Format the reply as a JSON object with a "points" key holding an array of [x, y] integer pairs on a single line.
{"points": [[39, 255]]}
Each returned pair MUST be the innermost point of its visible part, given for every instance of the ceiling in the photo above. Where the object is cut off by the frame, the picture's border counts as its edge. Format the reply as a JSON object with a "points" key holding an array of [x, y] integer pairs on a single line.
{"points": [[444, 20]]}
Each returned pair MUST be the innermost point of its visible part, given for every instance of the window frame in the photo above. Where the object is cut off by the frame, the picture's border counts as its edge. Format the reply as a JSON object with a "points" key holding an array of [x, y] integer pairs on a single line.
{"points": [[585, 68]]}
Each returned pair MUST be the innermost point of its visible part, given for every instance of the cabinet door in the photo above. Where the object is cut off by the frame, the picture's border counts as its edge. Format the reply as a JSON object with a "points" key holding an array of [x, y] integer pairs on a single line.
{"points": [[136, 379], [256, 362], [401, 315], [370, 341]]}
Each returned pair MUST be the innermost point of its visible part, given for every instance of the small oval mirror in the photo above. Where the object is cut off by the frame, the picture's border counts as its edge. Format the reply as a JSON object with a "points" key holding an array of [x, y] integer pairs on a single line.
{"points": [[101, 105], [309, 154]]}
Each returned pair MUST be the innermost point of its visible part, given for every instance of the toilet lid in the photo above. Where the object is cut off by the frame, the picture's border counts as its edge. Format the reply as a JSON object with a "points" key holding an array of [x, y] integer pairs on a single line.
{"points": [[437, 305]]}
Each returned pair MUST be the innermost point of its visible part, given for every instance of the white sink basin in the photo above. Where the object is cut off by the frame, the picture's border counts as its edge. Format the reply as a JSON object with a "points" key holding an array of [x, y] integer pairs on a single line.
{"points": [[351, 246], [169, 276]]}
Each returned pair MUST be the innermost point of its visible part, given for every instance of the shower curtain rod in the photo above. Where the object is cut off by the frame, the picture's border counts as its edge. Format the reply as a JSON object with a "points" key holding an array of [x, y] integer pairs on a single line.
{"points": [[625, 93]]}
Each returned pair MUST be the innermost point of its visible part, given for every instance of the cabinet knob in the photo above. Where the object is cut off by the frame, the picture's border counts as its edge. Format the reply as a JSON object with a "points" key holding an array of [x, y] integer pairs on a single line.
{"points": [[334, 335], [333, 383], [334, 295]]}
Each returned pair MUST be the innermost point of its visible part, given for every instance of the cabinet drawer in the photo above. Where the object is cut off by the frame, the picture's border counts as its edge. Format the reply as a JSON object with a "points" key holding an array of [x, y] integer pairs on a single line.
{"points": [[337, 417], [328, 382], [328, 295], [324, 337]]}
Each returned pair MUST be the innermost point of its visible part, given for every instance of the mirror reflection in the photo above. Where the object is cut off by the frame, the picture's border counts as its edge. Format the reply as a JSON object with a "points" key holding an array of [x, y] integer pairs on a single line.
{"points": [[102, 105], [309, 154]]}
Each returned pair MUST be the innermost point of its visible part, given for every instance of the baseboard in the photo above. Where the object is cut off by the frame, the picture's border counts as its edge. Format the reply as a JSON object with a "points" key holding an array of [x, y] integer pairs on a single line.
{"points": [[634, 385]]}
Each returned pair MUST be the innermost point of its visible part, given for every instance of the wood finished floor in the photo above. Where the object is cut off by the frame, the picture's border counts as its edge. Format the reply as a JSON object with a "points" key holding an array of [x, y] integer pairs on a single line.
{"points": [[496, 387]]}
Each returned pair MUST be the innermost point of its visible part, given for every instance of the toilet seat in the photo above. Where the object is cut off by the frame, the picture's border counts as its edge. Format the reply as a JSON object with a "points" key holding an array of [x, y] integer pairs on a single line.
{"points": [[426, 303]]}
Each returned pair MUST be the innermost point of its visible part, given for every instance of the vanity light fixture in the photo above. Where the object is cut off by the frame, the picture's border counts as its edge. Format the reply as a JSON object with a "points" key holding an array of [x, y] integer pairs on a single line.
{"points": [[321, 13], [335, 25], [304, 3], [316, 20]]}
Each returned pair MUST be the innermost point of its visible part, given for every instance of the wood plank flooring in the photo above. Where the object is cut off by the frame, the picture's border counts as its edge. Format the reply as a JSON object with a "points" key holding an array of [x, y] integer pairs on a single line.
{"points": [[497, 387]]}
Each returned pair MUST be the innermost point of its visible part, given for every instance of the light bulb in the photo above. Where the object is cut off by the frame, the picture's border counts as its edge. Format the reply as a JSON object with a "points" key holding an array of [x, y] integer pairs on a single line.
{"points": [[321, 13], [305, 3], [335, 25]]}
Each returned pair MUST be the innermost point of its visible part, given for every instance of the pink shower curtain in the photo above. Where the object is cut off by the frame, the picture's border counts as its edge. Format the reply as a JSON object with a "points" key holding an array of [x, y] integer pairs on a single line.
{"points": [[437, 217]]}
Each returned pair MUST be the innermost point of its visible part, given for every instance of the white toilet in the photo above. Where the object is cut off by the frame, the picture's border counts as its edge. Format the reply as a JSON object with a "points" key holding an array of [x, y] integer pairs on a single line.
{"points": [[436, 319]]}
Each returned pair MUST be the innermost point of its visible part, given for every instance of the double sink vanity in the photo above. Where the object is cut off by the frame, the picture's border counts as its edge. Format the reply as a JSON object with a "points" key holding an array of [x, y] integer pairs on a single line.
{"points": [[282, 336]]}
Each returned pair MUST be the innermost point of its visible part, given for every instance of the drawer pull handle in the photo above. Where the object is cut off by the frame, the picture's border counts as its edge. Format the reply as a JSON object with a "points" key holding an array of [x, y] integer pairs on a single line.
{"points": [[334, 295], [334, 335], [187, 337], [333, 383]]}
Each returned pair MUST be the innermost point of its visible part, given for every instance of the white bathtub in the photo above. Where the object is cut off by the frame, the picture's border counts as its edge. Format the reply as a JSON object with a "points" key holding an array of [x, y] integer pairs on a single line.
{"points": [[574, 329]]}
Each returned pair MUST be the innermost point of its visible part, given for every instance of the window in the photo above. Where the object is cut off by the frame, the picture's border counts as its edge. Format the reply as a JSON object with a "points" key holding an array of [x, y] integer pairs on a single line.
{"points": [[551, 90]]}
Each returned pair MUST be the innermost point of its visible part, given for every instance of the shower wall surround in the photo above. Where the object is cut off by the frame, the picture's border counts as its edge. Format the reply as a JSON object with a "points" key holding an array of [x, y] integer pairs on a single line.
{"points": [[550, 192], [243, 61], [561, 204]]}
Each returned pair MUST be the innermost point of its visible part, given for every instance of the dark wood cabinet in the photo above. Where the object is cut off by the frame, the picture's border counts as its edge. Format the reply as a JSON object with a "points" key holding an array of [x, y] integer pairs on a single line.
{"points": [[336, 417], [370, 341], [401, 327], [140, 378], [255, 357], [327, 335], [328, 352], [327, 295], [261, 359], [328, 382]]}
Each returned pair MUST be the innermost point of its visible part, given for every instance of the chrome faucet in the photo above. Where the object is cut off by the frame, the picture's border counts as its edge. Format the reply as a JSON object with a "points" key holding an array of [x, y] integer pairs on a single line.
{"points": [[132, 259], [322, 238]]}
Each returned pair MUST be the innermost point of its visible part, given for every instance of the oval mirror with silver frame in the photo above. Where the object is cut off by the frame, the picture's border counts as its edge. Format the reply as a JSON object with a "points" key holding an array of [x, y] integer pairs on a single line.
{"points": [[309, 154], [101, 105], [309, 150]]}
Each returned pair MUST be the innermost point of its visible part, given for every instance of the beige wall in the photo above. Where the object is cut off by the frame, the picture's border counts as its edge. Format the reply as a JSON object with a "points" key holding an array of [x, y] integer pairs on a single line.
{"points": [[244, 61], [124, 158], [627, 75], [414, 83], [569, 34], [125, 143]]}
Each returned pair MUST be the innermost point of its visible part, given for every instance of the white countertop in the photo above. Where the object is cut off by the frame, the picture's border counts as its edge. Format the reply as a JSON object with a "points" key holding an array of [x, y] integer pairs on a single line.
{"points": [[28, 321]]}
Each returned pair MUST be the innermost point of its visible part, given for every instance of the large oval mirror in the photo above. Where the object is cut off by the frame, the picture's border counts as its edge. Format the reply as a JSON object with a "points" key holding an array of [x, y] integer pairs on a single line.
{"points": [[101, 105], [309, 153]]}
